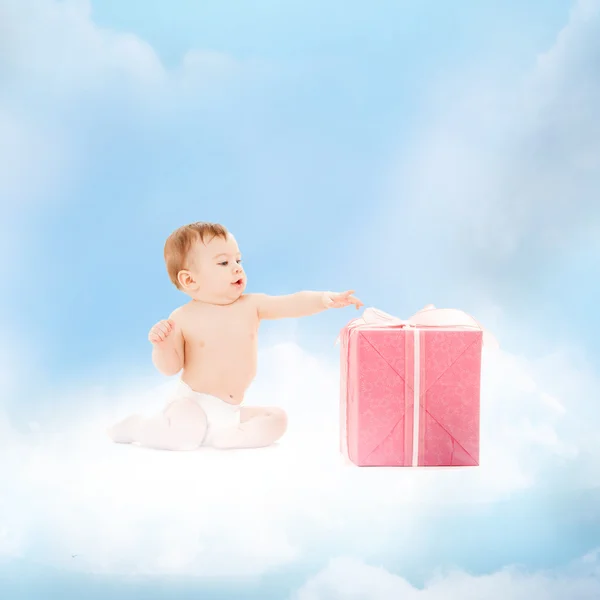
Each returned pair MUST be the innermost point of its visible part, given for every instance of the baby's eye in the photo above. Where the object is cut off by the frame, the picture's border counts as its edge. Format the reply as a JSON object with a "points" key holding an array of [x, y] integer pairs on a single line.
{"points": [[239, 261], [224, 263]]}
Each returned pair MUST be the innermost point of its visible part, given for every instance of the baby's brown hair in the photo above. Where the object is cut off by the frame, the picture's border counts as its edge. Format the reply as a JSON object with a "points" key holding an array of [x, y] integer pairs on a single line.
{"points": [[180, 242]]}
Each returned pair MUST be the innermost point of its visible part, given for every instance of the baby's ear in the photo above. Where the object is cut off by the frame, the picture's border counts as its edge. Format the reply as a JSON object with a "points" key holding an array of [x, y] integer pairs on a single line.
{"points": [[185, 278]]}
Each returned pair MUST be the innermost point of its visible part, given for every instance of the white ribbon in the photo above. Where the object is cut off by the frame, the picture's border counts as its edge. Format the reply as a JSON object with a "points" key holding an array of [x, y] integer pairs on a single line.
{"points": [[429, 316], [416, 396]]}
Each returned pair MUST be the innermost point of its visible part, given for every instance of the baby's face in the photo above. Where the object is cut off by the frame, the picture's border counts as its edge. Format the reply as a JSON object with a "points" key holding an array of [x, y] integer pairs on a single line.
{"points": [[218, 271]]}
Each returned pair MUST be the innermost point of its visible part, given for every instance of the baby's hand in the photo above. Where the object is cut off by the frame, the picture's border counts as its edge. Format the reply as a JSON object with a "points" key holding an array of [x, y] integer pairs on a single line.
{"points": [[161, 331], [333, 300]]}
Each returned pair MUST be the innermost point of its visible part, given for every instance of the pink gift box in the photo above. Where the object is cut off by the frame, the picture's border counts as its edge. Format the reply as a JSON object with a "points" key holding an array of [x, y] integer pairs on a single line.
{"points": [[410, 390]]}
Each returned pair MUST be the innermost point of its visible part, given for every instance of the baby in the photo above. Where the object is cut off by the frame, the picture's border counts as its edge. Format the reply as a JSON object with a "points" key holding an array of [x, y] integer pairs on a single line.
{"points": [[212, 340]]}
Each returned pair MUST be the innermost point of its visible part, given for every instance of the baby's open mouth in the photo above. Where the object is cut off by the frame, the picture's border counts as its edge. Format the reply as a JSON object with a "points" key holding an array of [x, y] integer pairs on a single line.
{"points": [[238, 282]]}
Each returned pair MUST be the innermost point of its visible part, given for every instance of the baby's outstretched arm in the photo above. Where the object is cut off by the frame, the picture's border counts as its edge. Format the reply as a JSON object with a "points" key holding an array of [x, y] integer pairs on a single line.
{"points": [[302, 304]]}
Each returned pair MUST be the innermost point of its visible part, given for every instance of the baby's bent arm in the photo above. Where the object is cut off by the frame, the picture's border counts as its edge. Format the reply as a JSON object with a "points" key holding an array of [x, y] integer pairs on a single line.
{"points": [[166, 359], [168, 356], [300, 304]]}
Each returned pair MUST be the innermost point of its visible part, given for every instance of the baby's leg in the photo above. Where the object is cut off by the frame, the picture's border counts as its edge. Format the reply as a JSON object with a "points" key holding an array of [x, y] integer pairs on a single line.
{"points": [[181, 426], [258, 427]]}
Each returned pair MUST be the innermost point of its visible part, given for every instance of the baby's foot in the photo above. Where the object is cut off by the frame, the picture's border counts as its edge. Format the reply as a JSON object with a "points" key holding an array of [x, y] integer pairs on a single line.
{"points": [[125, 431]]}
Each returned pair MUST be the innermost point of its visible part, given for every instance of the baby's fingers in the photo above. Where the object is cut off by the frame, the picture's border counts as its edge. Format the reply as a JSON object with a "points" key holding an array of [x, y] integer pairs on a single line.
{"points": [[160, 331], [154, 337], [157, 334], [356, 302], [166, 328]]}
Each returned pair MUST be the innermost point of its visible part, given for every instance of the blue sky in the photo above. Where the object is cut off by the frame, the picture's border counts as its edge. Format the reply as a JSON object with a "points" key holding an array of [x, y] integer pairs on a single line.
{"points": [[415, 153]]}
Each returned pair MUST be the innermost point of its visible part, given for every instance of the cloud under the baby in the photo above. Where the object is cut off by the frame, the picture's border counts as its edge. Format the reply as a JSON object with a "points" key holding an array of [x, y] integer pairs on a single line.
{"points": [[125, 509]]}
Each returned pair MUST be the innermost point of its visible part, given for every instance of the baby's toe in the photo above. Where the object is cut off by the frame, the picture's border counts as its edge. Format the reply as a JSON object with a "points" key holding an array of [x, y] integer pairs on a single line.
{"points": [[124, 432]]}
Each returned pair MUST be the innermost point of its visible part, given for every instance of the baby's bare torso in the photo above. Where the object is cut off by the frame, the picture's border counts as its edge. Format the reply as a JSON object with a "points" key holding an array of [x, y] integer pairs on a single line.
{"points": [[220, 347]]}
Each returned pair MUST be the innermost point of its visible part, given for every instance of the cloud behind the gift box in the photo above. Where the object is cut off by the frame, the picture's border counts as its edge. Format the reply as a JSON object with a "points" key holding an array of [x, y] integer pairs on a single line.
{"points": [[109, 146], [494, 201]]}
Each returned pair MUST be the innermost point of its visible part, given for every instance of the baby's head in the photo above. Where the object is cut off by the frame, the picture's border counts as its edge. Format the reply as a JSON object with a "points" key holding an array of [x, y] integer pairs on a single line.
{"points": [[203, 260]]}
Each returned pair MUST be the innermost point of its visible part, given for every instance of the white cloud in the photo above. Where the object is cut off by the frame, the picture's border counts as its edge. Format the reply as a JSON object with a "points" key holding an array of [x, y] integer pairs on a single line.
{"points": [[503, 172], [212, 69], [10, 543], [57, 42], [57, 63], [57, 47], [54, 50], [352, 579], [124, 509]]}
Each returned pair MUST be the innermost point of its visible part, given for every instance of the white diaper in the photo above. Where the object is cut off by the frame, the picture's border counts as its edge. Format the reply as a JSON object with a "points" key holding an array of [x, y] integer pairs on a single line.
{"points": [[219, 414]]}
